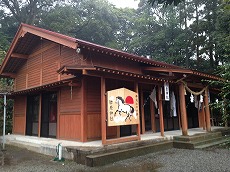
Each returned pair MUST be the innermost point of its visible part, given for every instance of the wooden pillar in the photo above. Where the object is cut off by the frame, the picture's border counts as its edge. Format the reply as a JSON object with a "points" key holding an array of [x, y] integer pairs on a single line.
{"points": [[83, 111], [152, 110], [161, 115], [178, 106], [58, 113], [183, 111], [200, 118], [39, 115], [139, 124], [103, 111], [142, 113], [207, 110], [203, 117], [25, 110]]}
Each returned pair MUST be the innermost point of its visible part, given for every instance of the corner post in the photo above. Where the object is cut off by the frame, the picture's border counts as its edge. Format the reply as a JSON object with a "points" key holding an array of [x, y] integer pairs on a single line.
{"points": [[161, 115], [83, 111], [207, 110], [138, 125], [103, 111], [183, 111]]}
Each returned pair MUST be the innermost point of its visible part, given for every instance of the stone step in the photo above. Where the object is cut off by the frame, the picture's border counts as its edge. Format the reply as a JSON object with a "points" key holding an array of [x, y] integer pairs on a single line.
{"points": [[80, 153], [212, 144], [198, 137], [208, 141], [118, 155], [200, 143]]}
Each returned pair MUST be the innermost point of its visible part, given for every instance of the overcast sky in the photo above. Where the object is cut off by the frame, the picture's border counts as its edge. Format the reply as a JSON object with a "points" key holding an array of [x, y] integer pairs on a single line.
{"points": [[125, 3]]}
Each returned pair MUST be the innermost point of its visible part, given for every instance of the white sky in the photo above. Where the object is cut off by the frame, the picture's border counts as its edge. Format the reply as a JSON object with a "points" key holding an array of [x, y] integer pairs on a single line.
{"points": [[125, 3]]}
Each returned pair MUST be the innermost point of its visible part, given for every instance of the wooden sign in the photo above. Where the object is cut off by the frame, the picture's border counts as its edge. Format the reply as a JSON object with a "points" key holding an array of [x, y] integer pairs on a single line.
{"points": [[166, 91], [122, 107]]}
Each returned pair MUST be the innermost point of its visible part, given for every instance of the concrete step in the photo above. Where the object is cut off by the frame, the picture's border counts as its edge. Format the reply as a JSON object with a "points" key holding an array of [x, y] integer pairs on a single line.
{"points": [[212, 144], [41, 148], [118, 155]]}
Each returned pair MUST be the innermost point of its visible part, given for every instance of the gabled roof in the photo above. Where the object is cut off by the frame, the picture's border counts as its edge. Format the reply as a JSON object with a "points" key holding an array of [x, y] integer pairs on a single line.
{"points": [[28, 36]]}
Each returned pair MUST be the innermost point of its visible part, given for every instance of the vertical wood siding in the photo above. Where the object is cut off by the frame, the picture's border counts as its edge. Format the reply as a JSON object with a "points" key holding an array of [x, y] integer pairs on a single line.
{"points": [[93, 90], [43, 63], [19, 115], [70, 120]]}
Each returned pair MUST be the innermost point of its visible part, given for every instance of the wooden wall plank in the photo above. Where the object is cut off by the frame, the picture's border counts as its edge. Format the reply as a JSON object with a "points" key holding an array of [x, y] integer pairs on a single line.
{"points": [[70, 126], [19, 123], [70, 100]]}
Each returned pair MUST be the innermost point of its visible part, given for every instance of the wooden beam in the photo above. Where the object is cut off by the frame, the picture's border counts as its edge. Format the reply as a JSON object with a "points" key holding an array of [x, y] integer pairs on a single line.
{"points": [[103, 111], [207, 111], [19, 56], [139, 124], [55, 37], [168, 70], [183, 111], [83, 111], [11, 75], [121, 140], [161, 115]]}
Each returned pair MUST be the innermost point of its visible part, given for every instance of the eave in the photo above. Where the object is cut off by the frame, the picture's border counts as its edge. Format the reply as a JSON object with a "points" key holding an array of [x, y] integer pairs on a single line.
{"points": [[22, 42]]}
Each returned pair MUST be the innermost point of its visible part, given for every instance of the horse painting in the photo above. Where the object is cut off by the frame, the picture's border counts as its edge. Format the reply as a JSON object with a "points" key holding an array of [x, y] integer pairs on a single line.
{"points": [[125, 108]]}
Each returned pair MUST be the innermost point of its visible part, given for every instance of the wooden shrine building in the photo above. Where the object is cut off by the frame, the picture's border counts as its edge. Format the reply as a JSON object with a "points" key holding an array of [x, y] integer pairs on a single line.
{"points": [[61, 86]]}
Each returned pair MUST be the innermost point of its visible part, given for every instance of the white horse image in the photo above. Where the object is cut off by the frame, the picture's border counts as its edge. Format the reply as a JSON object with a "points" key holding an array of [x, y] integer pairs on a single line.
{"points": [[125, 108]]}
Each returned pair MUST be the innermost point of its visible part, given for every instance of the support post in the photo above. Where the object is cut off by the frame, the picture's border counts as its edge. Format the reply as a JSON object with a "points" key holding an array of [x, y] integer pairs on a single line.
{"points": [[207, 111], [138, 125], [183, 111], [40, 115], [142, 113], [203, 116], [161, 115], [152, 109], [4, 124], [58, 113], [83, 111], [103, 111]]}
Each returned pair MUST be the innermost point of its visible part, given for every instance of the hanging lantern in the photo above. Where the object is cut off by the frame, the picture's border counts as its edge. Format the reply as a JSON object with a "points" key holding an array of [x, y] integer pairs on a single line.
{"points": [[192, 98]]}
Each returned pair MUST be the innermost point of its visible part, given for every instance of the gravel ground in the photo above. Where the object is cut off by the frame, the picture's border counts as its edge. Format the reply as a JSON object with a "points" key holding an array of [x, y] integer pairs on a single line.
{"points": [[16, 159]]}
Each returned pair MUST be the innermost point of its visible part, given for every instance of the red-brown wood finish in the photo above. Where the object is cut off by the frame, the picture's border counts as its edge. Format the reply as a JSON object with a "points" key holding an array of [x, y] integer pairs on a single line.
{"points": [[19, 115]]}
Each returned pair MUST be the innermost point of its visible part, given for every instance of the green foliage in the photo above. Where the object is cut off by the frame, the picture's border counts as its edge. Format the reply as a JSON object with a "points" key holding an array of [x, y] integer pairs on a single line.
{"points": [[6, 83], [224, 85], [165, 2], [9, 116]]}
